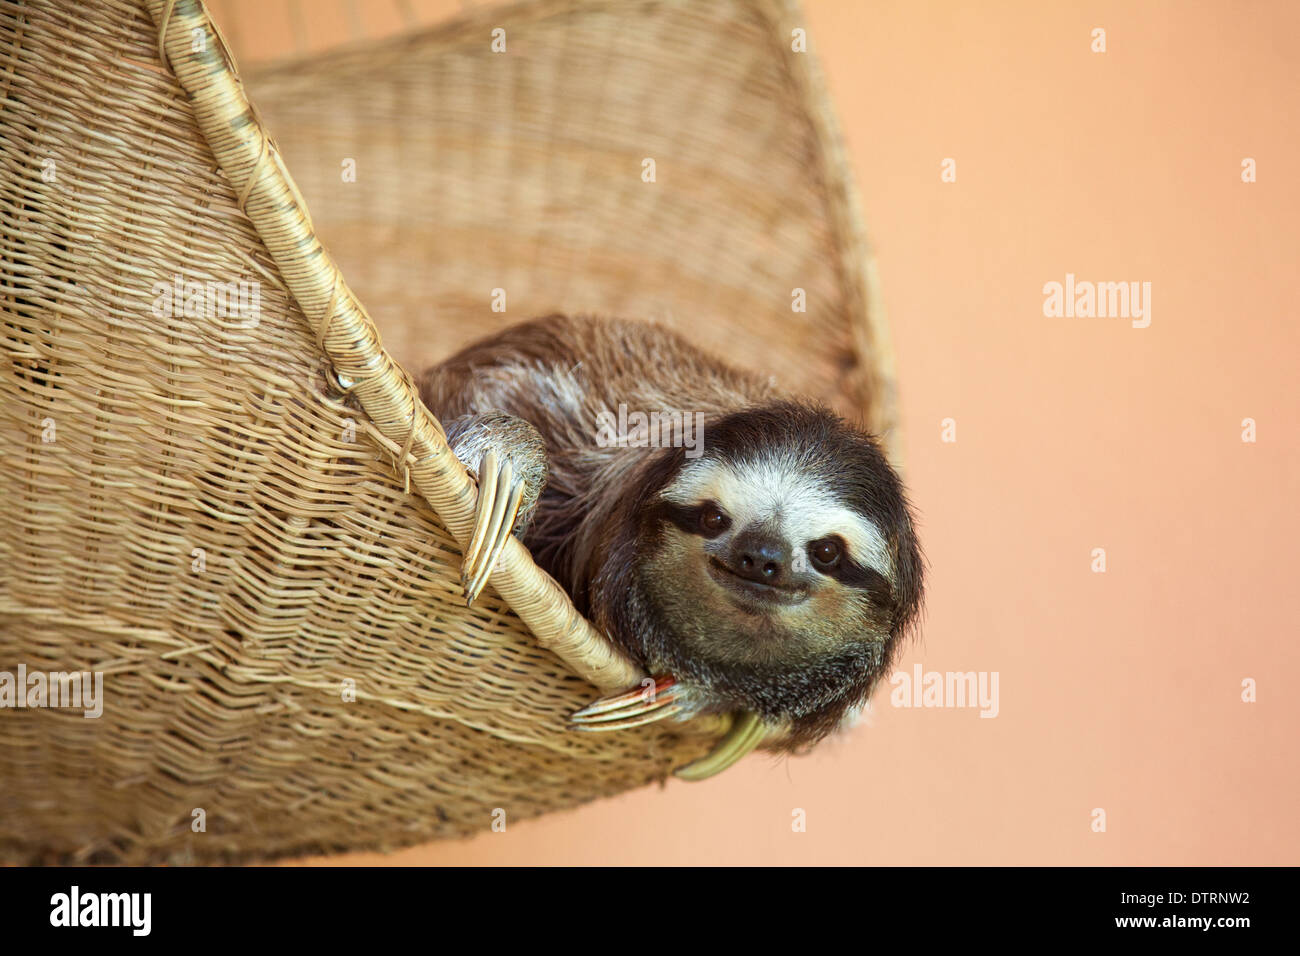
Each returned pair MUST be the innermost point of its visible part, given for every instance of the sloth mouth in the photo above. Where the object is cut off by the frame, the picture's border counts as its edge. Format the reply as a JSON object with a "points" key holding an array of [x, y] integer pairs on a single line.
{"points": [[754, 595]]}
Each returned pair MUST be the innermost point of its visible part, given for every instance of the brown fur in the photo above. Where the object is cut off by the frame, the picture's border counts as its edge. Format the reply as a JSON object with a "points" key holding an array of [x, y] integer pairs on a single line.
{"points": [[599, 531]]}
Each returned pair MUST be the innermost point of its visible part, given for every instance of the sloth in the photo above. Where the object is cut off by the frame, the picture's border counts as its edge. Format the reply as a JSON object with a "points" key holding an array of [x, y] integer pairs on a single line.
{"points": [[753, 552]]}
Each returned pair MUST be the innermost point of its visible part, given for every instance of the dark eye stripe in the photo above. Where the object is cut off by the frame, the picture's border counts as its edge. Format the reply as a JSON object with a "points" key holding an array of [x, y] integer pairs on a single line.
{"points": [[851, 574], [864, 579], [685, 517], [690, 518]]}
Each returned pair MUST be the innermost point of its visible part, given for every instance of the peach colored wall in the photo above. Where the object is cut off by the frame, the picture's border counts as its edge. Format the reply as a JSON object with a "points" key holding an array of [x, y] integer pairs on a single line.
{"points": [[1119, 690]]}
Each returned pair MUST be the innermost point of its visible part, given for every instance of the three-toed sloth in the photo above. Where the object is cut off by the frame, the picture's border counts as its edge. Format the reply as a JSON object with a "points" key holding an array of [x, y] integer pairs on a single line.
{"points": [[770, 569]]}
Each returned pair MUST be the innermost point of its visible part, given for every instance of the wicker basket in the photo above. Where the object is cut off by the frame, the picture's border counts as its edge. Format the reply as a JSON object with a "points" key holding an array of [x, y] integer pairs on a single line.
{"points": [[248, 523]]}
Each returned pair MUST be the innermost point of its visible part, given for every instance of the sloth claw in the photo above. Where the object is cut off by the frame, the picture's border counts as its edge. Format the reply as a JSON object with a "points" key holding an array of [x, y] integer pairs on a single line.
{"points": [[508, 456], [646, 704], [500, 492], [746, 733], [640, 705]]}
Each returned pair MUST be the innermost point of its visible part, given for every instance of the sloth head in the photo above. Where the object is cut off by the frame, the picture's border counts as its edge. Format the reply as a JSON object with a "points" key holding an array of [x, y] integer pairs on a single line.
{"points": [[777, 571]]}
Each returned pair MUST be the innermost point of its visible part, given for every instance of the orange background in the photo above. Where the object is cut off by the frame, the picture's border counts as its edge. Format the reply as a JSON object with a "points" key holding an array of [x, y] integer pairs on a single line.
{"points": [[1120, 690]]}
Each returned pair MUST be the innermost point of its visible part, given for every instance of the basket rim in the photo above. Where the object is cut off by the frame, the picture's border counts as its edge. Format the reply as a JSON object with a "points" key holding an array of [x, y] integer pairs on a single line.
{"points": [[873, 382], [345, 333]]}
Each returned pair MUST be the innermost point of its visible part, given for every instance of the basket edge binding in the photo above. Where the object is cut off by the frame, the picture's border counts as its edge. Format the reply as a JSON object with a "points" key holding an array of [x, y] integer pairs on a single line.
{"points": [[347, 336], [872, 382]]}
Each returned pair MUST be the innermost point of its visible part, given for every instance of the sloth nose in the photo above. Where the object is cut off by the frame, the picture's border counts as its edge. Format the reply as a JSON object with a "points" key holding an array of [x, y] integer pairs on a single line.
{"points": [[761, 557]]}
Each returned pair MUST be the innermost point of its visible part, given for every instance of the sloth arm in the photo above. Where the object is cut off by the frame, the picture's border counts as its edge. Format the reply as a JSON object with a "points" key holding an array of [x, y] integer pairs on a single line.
{"points": [[503, 451]]}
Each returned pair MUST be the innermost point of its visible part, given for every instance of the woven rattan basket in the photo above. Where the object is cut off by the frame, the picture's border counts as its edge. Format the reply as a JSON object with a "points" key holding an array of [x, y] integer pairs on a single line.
{"points": [[248, 524]]}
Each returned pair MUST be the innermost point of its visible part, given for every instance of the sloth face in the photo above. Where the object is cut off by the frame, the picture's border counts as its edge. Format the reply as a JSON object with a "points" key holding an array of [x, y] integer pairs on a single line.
{"points": [[758, 563], [787, 548]]}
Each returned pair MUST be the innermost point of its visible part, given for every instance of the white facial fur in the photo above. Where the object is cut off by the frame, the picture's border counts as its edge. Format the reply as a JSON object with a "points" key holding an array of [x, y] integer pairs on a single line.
{"points": [[777, 488]]}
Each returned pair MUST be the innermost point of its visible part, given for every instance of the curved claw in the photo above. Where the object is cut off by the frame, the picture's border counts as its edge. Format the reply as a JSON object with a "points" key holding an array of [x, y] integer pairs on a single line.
{"points": [[500, 493], [651, 702], [640, 705], [746, 733]]}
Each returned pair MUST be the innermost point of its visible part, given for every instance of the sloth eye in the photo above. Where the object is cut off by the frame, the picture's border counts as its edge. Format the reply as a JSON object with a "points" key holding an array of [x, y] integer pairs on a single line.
{"points": [[713, 520], [825, 553]]}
